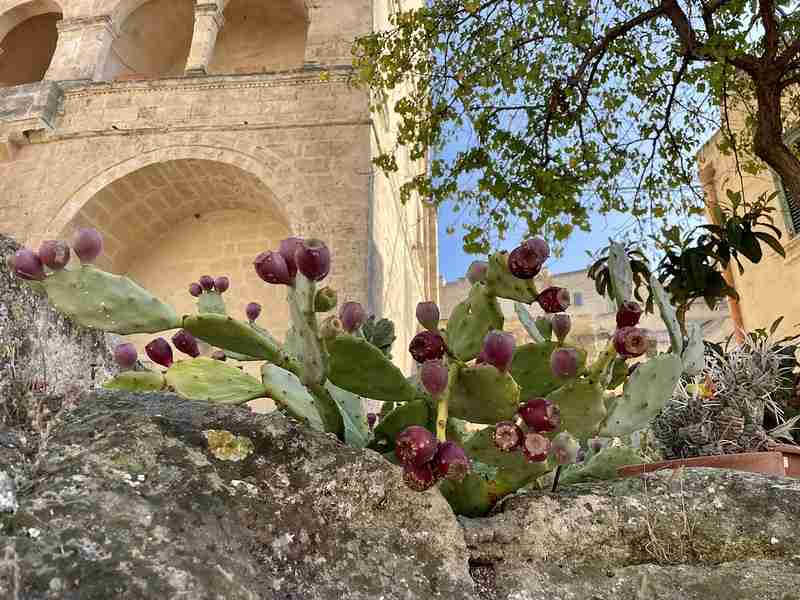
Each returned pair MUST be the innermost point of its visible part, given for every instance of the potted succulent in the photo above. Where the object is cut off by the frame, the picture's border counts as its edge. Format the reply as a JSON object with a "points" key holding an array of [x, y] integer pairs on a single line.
{"points": [[733, 414]]}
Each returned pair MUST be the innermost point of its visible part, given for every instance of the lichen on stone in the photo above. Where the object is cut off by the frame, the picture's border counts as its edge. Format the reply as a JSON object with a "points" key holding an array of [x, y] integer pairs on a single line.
{"points": [[226, 446]]}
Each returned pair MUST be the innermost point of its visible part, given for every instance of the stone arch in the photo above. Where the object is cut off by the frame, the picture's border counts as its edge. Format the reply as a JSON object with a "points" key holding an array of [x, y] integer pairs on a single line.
{"points": [[261, 36], [153, 39], [169, 219], [28, 37]]}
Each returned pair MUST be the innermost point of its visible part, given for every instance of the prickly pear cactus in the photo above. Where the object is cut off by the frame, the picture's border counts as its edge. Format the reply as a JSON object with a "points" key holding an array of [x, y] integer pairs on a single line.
{"points": [[529, 408]]}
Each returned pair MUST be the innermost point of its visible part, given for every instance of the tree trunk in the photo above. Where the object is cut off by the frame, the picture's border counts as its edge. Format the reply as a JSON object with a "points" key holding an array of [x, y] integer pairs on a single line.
{"points": [[768, 142]]}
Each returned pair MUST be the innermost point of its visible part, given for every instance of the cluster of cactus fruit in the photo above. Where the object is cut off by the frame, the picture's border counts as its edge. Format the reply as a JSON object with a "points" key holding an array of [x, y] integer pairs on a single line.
{"points": [[539, 401]]}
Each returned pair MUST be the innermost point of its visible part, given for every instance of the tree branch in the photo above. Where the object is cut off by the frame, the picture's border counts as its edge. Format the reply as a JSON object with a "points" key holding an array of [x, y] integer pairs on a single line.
{"points": [[766, 10]]}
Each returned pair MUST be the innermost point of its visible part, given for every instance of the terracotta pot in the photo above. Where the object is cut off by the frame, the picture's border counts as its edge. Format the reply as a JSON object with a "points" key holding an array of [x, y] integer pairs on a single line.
{"points": [[783, 460]]}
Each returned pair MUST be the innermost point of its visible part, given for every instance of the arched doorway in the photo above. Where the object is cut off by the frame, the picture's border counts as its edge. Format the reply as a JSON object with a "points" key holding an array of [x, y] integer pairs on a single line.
{"points": [[154, 41], [170, 222], [260, 36], [28, 38]]}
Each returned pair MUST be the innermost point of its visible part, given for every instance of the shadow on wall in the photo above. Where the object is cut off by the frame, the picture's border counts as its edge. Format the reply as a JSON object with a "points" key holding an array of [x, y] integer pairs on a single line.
{"points": [[154, 41], [27, 43], [376, 281]]}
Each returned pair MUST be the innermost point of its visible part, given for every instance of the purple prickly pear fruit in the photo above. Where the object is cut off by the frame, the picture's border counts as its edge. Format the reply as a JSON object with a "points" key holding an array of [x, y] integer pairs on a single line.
{"points": [[477, 271], [561, 325], [428, 315], [535, 447], [629, 314], [54, 254], [418, 478], [433, 374], [207, 283], [352, 315], [415, 445], [186, 343], [313, 259], [526, 260], [287, 250], [160, 352], [88, 245], [450, 462], [372, 419], [498, 349], [540, 415], [195, 289], [596, 444], [507, 436], [27, 265], [564, 449], [427, 345], [221, 284], [325, 299], [564, 363], [554, 299], [331, 327], [252, 310], [125, 354], [630, 342], [219, 355], [271, 267]]}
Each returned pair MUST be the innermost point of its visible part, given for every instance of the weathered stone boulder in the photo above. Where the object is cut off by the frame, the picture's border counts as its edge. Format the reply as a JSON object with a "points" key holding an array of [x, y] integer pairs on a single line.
{"points": [[153, 497], [40, 350], [700, 534]]}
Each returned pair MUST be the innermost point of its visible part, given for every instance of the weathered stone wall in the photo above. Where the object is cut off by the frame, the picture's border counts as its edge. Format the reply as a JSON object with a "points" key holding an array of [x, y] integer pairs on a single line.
{"points": [[195, 174]]}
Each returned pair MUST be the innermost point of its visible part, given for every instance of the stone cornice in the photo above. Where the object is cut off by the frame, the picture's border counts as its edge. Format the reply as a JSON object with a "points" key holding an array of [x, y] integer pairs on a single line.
{"points": [[300, 78], [77, 23]]}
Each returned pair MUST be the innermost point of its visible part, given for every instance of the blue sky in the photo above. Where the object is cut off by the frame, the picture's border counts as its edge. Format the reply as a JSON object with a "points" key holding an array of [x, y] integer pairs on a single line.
{"points": [[453, 261]]}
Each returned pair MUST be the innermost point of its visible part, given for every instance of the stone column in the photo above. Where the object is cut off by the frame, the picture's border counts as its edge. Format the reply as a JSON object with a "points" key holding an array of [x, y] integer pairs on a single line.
{"points": [[208, 20], [82, 49]]}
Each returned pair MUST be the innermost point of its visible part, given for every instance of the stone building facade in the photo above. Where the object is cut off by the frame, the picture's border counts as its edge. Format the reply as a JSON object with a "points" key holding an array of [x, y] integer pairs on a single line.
{"points": [[593, 316], [195, 134], [765, 289]]}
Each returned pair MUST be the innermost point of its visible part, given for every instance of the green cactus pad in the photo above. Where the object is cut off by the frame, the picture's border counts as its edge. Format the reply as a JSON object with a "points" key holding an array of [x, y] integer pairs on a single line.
{"points": [[582, 407], [241, 357], [619, 373], [211, 302], [482, 394], [356, 430], [236, 336], [359, 367], [411, 413], [667, 312], [529, 323], [601, 466], [292, 396], [471, 320], [530, 368], [694, 358], [214, 381], [644, 395], [621, 275], [312, 354], [328, 409], [502, 283], [137, 381], [380, 333], [109, 302], [471, 497]]}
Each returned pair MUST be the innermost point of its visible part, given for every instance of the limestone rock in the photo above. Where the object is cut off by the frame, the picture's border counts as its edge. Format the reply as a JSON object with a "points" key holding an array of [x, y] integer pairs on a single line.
{"points": [[704, 534], [40, 350], [127, 501]]}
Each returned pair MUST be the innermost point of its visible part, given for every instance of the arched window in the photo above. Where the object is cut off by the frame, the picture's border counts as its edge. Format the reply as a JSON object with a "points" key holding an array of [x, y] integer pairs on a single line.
{"points": [[28, 37], [260, 37], [154, 41]]}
